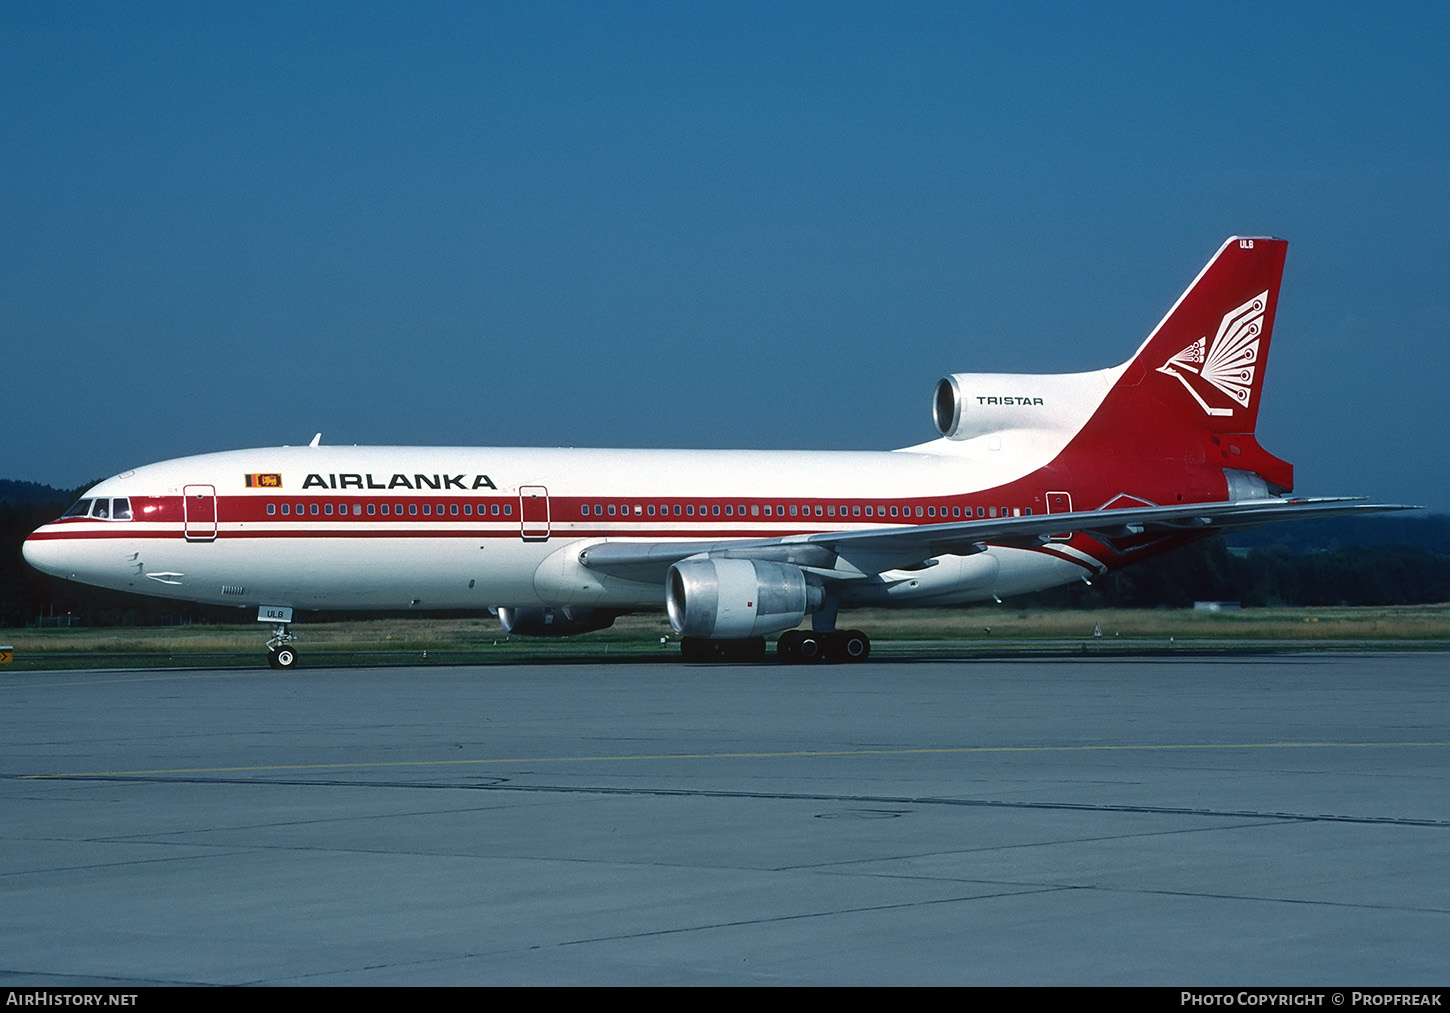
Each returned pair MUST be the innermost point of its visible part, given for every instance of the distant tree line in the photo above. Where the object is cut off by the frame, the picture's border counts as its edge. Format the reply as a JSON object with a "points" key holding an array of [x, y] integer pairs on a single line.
{"points": [[1395, 560], [1269, 575]]}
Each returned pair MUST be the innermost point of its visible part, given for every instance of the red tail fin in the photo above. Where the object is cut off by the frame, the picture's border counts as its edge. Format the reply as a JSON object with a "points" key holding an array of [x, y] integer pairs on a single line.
{"points": [[1214, 342], [1191, 393]]}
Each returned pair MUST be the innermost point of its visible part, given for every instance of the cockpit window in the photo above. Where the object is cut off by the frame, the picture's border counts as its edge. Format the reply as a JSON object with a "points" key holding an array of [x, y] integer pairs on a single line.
{"points": [[118, 509]]}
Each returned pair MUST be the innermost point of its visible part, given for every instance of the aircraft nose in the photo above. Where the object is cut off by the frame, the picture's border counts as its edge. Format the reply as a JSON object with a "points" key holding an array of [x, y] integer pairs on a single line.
{"points": [[46, 553]]}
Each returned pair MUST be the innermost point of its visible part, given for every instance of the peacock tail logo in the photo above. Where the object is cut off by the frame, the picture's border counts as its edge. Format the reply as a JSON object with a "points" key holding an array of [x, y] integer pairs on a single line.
{"points": [[1227, 363]]}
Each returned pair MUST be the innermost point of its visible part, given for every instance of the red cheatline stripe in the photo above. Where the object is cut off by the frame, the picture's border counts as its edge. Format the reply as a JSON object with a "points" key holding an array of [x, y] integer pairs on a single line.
{"points": [[451, 532]]}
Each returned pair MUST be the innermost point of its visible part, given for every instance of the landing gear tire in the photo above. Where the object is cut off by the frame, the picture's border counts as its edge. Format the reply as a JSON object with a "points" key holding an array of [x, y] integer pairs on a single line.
{"points": [[796, 646], [801, 646], [694, 649], [749, 649], [810, 648], [281, 655], [848, 645], [785, 647], [704, 649]]}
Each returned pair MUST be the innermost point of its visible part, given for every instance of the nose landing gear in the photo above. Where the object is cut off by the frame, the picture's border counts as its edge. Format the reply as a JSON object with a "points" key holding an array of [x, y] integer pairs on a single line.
{"points": [[281, 655]]}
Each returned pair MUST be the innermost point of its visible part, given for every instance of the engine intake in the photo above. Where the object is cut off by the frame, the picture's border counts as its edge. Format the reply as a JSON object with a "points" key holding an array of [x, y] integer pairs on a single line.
{"points": [[727, 599]]}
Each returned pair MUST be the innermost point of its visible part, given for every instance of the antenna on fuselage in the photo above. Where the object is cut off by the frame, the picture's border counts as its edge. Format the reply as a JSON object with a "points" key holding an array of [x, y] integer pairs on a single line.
{"points": [[316, 441]]}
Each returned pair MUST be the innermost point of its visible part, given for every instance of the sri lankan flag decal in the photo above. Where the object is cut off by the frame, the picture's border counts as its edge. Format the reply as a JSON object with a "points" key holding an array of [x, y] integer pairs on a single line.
{"points": [[268, 481]]}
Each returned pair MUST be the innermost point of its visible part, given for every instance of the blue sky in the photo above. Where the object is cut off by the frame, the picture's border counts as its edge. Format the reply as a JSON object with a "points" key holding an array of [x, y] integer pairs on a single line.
{"points": [[695, 224]]}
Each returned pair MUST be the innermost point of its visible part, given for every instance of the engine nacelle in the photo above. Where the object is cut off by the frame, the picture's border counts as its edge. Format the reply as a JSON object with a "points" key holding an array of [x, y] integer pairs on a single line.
{"points": [[965, 405], [545, 622], [727, 599]]}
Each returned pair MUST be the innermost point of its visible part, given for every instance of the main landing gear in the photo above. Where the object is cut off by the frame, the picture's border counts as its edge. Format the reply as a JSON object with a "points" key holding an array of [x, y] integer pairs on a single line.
{"points": [[823, 642], [281, 655], [795, 647], [704, 649], [798, 646]]}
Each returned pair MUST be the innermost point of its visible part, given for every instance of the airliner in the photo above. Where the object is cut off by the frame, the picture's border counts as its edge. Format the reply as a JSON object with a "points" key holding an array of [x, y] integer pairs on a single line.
{"points": [[1034, 480]]}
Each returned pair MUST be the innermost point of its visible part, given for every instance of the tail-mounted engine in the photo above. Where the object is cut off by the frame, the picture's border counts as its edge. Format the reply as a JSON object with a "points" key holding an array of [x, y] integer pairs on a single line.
{"points": [[966, 405], [727, 599]]}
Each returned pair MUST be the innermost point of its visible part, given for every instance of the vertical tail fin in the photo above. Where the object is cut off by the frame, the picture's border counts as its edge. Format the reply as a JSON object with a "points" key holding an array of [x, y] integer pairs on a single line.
{"points": [[1191, 393], [1214, 342]]}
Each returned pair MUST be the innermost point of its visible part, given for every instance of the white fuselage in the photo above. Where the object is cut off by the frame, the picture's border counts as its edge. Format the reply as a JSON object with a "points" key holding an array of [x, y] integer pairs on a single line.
{"points": [[383, 528]]}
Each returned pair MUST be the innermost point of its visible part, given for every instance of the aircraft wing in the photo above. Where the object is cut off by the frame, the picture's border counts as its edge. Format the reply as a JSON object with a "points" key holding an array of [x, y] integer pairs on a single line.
{"points": [[863, 552]]}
